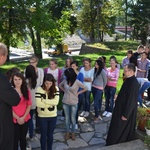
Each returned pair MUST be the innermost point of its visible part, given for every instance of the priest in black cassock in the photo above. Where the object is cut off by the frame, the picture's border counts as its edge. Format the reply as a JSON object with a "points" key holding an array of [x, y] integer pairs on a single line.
{"points": [[8, 98], [123, 122]]}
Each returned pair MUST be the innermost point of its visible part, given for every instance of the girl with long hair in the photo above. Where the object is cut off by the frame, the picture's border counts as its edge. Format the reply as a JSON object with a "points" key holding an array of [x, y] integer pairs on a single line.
{"points": [[21, 114], [88, 72], [31, 79], [98, 86], [47, 98], [70, 87]]}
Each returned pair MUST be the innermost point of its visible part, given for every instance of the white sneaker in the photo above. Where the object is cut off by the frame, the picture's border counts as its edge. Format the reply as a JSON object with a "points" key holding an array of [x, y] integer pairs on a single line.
{"points": [[109, 114], [100, 118], [82, 114], [104, 113], [148, 103], [76, 126], [86, 114]]}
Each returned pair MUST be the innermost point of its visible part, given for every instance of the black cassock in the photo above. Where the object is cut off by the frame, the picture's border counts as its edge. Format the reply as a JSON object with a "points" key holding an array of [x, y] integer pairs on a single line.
{"points": [[8, 98], [125, 105]]}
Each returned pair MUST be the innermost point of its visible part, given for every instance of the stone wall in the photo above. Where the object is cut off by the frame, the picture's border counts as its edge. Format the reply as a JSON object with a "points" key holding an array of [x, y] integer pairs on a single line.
{"points": [[90, 50]]}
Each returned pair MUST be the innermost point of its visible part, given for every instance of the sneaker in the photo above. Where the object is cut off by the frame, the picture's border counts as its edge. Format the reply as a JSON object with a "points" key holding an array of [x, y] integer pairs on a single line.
{"points": [[104, 113], [95, 119], [148, 103], [76, 126], [109, 114], [86, 114], [62, 118], [100, 118], [82, 114]]}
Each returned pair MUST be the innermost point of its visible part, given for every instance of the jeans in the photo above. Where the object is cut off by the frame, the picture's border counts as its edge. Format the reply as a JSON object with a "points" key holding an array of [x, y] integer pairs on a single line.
{"points": [[97, 95], [31, 126], [79, 106], [144, 87], [70, 116], [20, 132], [86, 101], [47, 127], [109, 95]]}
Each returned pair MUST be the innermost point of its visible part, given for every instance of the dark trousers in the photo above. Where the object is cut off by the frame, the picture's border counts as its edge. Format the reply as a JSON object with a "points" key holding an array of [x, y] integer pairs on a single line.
{"points": [[20, 132], [47, 127]]}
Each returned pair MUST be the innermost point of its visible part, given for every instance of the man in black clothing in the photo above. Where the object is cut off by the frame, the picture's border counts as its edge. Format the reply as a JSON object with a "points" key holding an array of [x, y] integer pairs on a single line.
{"points": [[123, 122], [8, 98]]}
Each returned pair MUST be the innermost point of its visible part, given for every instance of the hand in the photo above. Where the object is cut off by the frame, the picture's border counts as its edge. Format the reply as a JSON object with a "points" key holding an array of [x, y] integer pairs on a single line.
{"points": [[21, 120], [123, 118]]}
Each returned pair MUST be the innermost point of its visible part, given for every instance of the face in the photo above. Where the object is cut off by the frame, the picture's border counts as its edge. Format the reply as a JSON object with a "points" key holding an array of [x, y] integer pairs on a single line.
{"points": [[52, 65], [74, 67], [96, 65], [129, 55], [3, 59], [143, 56], [86, 64], [127, 72], [113, 63], [147, 50], [17, 81], [68, 62], [33, 62], [48, 84], [140, 50]]}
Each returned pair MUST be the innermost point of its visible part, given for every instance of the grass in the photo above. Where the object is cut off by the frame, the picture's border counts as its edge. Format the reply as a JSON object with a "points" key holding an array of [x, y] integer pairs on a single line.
{"points": [[119, 51]]}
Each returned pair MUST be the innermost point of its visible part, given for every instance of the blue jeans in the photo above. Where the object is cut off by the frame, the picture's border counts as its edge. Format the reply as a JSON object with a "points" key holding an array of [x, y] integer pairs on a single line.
{"points": [[70, 116], [109, 95], [97, 95], [86, 101], [80, 99], [145, 86], [31, 126], [47, 127]]}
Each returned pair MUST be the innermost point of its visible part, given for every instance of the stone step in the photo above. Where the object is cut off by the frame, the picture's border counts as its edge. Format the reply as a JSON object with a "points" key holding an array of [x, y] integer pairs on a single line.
{"points": [[132, 145]]}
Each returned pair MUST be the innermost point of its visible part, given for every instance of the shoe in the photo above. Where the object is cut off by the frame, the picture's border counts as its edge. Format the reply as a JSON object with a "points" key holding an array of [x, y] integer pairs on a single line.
{"points": [[76, 126], [73, 136], [67, 136], [95, 119], [82, 114], [100, 118], [109, 114], [62, 118], [86, 114], [104, 113], [148, 103]]}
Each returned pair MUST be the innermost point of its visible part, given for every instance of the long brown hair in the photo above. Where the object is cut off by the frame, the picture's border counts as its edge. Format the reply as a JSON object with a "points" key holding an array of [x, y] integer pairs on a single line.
{"points": [[52, 89], [24, 89]]}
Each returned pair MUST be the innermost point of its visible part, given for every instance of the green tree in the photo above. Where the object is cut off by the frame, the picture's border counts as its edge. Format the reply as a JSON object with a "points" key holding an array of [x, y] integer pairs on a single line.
{"points": [[140, 19]]}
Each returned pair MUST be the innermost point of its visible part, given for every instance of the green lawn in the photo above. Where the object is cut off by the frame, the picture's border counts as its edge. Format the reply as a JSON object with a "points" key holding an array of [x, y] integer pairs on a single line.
{"points": [[119, 50]]}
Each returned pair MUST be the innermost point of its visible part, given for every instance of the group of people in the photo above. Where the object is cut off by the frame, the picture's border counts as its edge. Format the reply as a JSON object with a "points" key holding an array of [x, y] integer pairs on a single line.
{"points": [[38, 91]]}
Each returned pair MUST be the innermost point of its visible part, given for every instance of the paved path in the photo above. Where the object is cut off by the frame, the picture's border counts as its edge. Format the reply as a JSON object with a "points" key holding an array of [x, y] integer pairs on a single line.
{"points": [[89, 136]]}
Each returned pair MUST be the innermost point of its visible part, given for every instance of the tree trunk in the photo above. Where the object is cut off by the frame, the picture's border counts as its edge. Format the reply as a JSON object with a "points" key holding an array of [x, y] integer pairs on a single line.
{"points": [[38, 52]]}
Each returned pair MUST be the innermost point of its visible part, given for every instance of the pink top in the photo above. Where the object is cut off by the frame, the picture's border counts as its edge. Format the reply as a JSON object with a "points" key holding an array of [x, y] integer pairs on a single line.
{"points": [[114, 74], [21, 108]]}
